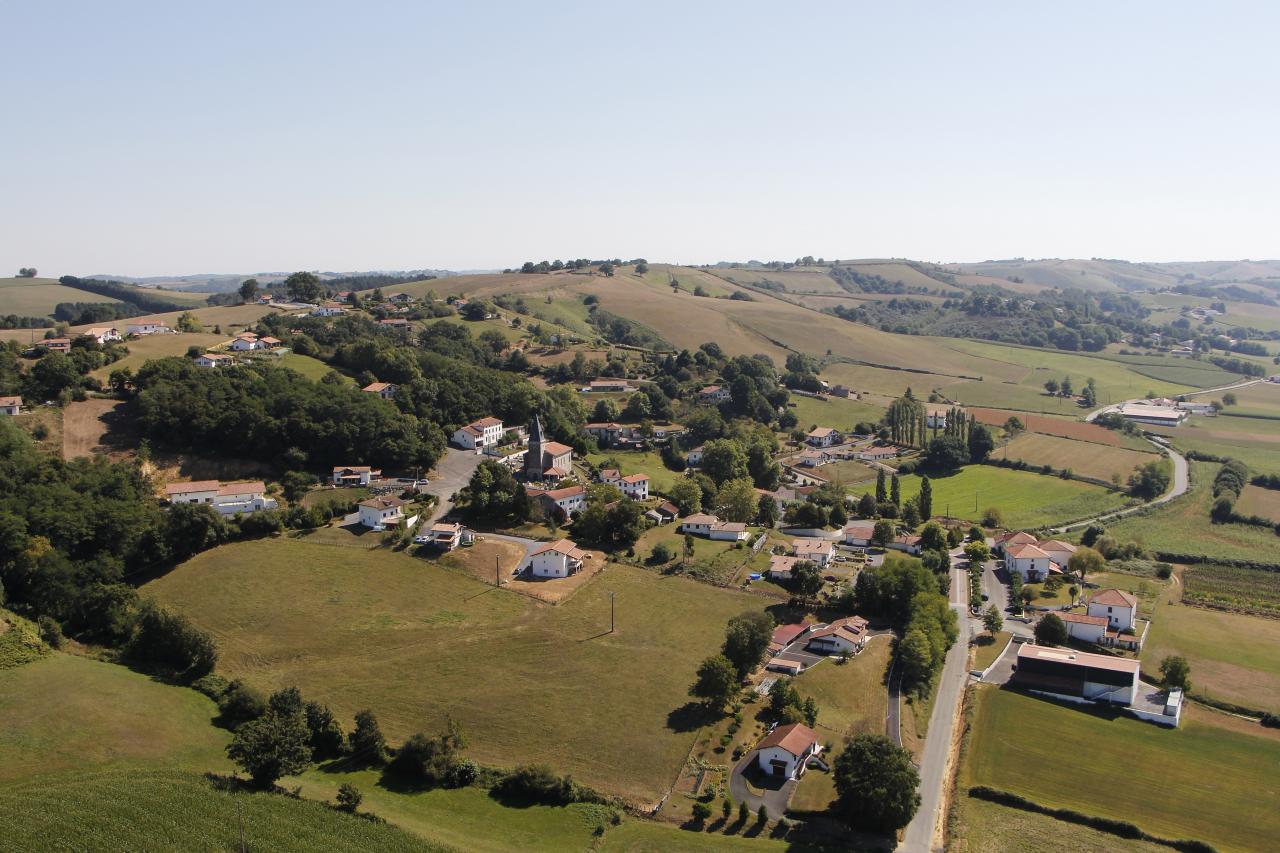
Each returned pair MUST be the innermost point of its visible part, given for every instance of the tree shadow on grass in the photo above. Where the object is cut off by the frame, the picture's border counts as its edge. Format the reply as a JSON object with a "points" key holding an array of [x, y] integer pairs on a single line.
{"points": [[690, 717]]}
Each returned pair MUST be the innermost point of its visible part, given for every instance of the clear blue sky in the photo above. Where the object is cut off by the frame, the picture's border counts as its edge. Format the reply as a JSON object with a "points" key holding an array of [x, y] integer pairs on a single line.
{"points": [[149, 138]]}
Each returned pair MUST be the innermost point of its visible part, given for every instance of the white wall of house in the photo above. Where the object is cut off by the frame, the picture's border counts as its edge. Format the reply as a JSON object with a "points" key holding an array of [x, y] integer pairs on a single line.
{"points": [[833, 644], [378, 519], [1087, 633], [728, 535], [202, 497], [1118, 617], [550, 564], [1031, 568]]}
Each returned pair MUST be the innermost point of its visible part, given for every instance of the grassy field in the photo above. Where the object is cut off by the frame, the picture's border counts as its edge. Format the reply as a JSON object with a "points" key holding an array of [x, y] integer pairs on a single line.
{"points": [[1255, 500], [985, 827], [70, 713], [1061, 426], [84, 425], [1090, 460], [1183, 526], [312, 368], [839, 412], [1023, 498], [852, 698], [174, 810], [143, 350], [347, 625], [37, 297], [639, 462], [1204, 781], [1234, 588]]}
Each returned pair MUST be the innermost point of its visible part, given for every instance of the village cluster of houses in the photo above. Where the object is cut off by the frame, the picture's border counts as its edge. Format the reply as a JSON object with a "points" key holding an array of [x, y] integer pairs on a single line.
{"points": [[104, 335], [1033, 559]]}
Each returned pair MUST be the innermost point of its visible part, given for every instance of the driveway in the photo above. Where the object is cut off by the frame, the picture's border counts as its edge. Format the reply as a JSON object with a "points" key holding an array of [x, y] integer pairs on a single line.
{"points": [[774, 799], [527, 544], [450, 476], [1002, 670]]}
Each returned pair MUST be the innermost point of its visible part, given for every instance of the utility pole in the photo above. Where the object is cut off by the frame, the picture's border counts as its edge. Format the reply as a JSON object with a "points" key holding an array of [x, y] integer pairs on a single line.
{"points": [[497, 572], [612, 613]]}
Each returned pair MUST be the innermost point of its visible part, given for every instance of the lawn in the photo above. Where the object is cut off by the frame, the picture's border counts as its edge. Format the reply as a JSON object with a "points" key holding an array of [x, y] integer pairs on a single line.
{"points": [[341, 494], [712, 558], [637, 462], [312, 368], [70, 713], [852, 697], [1090, 460], [1232, 656], [349, 626], [156, 809], [1204, 781], [849, 473], [1023, 498], [839, 412], [988, 648], [1183, 526]]}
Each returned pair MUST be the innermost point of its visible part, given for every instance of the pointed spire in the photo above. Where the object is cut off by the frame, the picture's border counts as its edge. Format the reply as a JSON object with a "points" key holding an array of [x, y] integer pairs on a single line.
{"points": [[535, 431]]}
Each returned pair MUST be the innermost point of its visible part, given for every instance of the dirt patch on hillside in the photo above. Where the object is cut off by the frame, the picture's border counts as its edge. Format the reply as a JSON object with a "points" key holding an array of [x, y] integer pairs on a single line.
{"points": [[85, 428], [1050, 426]]}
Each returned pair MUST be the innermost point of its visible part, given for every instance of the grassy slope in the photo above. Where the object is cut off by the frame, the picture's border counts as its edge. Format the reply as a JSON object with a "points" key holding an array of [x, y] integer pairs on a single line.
{"points": [[1183, 525], [37, 297], [143, 350], [1084, 458], [416, 642], [65, 712], [173, 810], [1023, 498], [1232, 656], [851, 698], [639, 462], [1200, 781]]}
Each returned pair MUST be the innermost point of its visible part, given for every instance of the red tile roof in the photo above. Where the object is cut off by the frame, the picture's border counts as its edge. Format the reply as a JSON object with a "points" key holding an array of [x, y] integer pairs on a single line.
{"points": [[795, 738], [1083, 619], [561, 546], [1114, 597]]}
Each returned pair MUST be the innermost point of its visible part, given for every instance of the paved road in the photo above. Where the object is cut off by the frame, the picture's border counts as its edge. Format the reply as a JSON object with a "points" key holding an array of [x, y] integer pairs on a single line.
{"points": [[451, 474], [919, 835]]}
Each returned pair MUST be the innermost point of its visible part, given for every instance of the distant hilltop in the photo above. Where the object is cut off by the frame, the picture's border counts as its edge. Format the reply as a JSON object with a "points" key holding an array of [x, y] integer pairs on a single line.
{"points": [[227, 282]]}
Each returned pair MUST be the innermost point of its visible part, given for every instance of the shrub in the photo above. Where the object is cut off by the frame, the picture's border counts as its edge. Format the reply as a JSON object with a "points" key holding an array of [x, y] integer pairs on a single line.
{"points": [[701, 811], [240, 703], [50, 631], [211, 685], [538, 783], [349, 798]]}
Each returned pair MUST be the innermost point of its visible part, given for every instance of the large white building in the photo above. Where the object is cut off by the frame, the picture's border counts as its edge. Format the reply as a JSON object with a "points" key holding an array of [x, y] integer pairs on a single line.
{"points": [[354, 475], [1101, 678], [635, 486], [477, 435], [1118, 607], [711, 527], [245, 496], [381, 513]]}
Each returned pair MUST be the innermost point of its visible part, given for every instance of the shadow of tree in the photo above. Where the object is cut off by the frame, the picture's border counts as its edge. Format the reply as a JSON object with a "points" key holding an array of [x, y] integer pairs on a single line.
{"points": [[690, 717]]}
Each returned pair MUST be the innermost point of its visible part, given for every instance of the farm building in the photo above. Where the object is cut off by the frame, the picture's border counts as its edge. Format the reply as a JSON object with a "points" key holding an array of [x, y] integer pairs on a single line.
{"points": [[385, 390], [1142, 413], [557, 559], [144, 329], [714, 394], [1100, 678], [858, 534], [102, 334], [786, 751], [823, 437], [246, 496], [10, 405]]}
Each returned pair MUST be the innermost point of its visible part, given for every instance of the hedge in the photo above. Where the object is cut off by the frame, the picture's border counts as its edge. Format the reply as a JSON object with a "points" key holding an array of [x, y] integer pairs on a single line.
{"points": [[1121, 828]]}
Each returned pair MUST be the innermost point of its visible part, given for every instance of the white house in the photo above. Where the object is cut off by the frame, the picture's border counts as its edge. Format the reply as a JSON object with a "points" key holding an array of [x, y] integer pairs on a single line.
{"points": [[381, 513], [245, 496], [214, 359], [1099, 678], [442, 535], [936, 417], [1118, 607], [694, 457], [1007, 540], [557, 559], [702, 524], [715, 394], [101, 334], [876, 454], [1059, 552], [611, 477], [1027, 560], [843, 635], [1080, 626], [564, 501], [246, 342], [477, 435], [858, 534], [10, 405], [328, 309], [823, 437], [780, 567], [907, 542], [385, 390], [818, 551], [813, 458], [354, 475], [635, 486], [143, 329], [786, 751]]}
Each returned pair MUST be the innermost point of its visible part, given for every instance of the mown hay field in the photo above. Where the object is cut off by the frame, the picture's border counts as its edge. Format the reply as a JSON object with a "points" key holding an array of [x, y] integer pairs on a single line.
{"points": [[37, 297], [1063, 427], [1255, 500], [417, 643], [1203, 781], [1090, 460], [1025, 499]]}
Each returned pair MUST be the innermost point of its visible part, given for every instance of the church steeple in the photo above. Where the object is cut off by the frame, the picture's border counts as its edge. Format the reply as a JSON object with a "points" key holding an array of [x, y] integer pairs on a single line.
{"points": [[533, 456]]}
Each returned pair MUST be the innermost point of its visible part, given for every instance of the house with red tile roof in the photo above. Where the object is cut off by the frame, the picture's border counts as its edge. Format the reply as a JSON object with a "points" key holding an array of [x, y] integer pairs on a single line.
{"points": [[385, 390], [1118, 607], [244, 496], [478, 435], [785, 752], [843, 635], [557, 559], [354, 475], [10, 405], [635, 486]]}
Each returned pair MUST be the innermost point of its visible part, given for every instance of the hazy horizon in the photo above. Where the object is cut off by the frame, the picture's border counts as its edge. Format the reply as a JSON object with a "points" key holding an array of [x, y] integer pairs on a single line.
{"points": [[153, 140]]}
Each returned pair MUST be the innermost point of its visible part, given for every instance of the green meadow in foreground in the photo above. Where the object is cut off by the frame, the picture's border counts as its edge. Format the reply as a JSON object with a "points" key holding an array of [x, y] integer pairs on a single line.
{"points": [[1202, 781]]}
